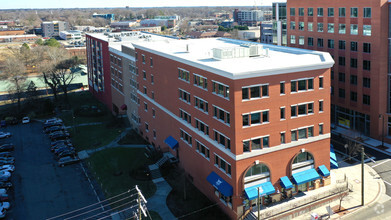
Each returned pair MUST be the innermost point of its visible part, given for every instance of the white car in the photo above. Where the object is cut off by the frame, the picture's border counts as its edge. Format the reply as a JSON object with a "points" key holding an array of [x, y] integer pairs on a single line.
{"points": [[5, 134], [7, 168], [53, 120], [2, 191], [5, 205], [25, 120], [3, 212]]}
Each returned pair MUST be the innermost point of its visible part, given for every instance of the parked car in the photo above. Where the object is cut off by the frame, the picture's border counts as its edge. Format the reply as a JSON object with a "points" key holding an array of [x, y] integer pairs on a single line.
{"points": [[5, 205], [60, 150], [5, 134], [3, 123], [66, 153], [4, 197], [8, 158], [9, 170], [4, 179], [25, 120], [54, 129], [58, 132], [6, 162], [53, 120], [60, 146], [67, 160], [6, 185], [2, 213], [11, 120], [59, 136], [6, 147], [66, 141], [45, 126], [5, 154]]}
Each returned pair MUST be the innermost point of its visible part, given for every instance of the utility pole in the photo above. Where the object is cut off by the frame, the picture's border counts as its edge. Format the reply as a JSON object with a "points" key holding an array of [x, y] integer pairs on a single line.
{"points": [[362, 175], [259, 205], [141, 208]]}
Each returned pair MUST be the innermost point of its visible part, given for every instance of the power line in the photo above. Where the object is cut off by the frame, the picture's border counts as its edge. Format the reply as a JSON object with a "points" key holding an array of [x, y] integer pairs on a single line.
{"points": [[109, 210], [199, 210], [119, 212], [100, 207], [130, 190]]}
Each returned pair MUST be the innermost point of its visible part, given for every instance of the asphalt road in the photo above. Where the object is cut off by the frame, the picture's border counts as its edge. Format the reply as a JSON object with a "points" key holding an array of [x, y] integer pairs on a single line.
{"points": [[42, 189], [376, 211]]}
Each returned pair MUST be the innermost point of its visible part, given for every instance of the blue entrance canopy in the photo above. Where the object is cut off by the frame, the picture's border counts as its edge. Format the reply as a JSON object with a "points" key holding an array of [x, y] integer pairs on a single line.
{"points": [[333, 158], [220, 184], [170, 141], [305, 176], [264, 189], [324, 171], [285, 182]]}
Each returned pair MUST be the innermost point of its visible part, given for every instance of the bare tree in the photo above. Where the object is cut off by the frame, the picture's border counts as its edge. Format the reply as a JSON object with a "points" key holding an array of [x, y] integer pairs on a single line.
{"points": [[65, 75], [343, 192]]}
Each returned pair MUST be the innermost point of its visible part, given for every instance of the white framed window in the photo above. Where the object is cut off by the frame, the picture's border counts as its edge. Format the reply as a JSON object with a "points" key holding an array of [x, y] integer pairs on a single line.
{"points": [[255, 92], [222, 139], [201, 126], [256, 143], [201, 104], [221, 115], [301, 85], [255, 118], [183, 75], [223, 165], [186, 137], [202, 149], [220, 89], [185, 116], [302, 109], [184, 96], [200, 81]]}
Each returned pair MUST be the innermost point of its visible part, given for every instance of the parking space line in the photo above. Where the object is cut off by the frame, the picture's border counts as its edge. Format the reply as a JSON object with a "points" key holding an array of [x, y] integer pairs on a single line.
{"points": [[381, 163], [93, 188], [387, 182]]}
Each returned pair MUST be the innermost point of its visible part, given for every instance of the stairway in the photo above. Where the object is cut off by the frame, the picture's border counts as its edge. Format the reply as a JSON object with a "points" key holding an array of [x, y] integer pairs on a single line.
{"points": [[251, 216], [154, 169]]}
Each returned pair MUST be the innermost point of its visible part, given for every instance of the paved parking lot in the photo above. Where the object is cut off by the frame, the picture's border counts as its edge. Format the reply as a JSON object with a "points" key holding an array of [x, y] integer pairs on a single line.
{"points": [[42, 189]]}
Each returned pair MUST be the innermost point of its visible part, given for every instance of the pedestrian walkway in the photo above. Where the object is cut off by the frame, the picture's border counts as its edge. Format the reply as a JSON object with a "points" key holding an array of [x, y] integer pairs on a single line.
{"points": [[374, 188], [85, 124], [158, 203]]}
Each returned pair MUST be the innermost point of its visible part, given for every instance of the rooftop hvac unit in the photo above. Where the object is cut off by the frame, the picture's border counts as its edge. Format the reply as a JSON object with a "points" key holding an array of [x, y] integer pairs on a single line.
{"points": [[254, 49]]}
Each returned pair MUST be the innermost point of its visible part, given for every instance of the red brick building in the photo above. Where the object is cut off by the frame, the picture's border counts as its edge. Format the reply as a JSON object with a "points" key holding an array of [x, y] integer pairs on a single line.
{"points": [[356, 34], [238, 116]]}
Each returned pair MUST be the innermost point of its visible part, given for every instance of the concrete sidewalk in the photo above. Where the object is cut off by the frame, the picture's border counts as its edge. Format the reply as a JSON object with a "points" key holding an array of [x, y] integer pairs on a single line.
{"points": [[158, 202], [374, 188]]}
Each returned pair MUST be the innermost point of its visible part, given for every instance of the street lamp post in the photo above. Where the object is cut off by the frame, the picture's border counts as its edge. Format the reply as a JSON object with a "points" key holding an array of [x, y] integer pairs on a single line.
{"points": [[382, 131], [362, 176]]}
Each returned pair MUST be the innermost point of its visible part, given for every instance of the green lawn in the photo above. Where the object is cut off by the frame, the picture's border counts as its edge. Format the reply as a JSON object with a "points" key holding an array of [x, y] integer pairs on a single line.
{"points": [[107, 164], [132, 137], [93, 136], [154, 215]]}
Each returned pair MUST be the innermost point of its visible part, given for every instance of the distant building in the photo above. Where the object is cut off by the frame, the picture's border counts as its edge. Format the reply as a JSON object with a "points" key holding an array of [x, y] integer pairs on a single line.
{"points": [[123, 24], [8, 23], [253, 34], [200, 34], [53, 28], [70, 35], [105, 16], [248, 17], [11, 31], [227, 24], [267, 32], [168, 21], [17, 38], [279, 23]]}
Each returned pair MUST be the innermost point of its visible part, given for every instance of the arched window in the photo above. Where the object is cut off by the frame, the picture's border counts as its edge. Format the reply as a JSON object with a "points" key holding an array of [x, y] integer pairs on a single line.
{"points": [[302, 161], [257, 174]]}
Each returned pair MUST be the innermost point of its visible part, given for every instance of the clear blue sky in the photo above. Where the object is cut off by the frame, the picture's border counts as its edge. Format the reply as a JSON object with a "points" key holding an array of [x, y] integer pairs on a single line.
{"points": [[13, 4]]}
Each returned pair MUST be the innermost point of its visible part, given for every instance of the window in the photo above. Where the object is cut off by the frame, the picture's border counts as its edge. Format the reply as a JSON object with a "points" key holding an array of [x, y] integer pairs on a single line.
{"points": [[341, 44], [221, 115], [185, 116], [293, 39], [341, 61], [184, 96], [353, 62], [301, 11], [294, 135], [301, 40], [330, 12], [222, 139], [353, 46], [332, 74], [222, 164], [367, 12], [255, 144], [366, 82], [353, 96], [282, 88], [200, 81], [320, 27], [302, 133], [302, 85], [366, 30], [310, 26], [353, 12], [310, 12], [201, 126], [293, 25], [341, 93], [321, 106], [330, 43], [145, 90], [282, 138], [320, 12], [353, 79], [353, 29], [366, 65], [330, 27], [310, 41], [367, 47], [183, 75], [342, 12], [320, 42], [282, 113], [151, 62], [201, 149], [153, 112], [144, 75], [366, 99], [301, 26], [154, 134], [143, 58], [302, 109], [255, 118], [292, 11], [152, 80], [186, 137], [220, 89], [320, 82], [320, 128], [254, 92], [201, 104], [342, 28], [145, 106], [146, 127]]}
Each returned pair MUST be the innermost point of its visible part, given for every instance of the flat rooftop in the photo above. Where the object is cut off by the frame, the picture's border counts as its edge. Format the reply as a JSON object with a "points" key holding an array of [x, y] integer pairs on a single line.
{"points": [[200, 53]]}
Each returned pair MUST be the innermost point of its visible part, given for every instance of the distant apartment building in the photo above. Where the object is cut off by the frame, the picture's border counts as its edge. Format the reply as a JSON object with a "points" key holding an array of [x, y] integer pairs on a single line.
{"points": [[356, 33], [248, 17], [123, 24], [266, 32], [53, 28], [252, 34], [70, 35], [279, 23], [105, 16], [237, 117]]}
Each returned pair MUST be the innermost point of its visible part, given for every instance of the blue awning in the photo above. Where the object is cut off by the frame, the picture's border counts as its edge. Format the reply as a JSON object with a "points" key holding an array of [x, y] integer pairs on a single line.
{"points": [[305, 176], [324, 171], [333, 158], [264, 189], [220, 184], [285, 182], [170, 141]]}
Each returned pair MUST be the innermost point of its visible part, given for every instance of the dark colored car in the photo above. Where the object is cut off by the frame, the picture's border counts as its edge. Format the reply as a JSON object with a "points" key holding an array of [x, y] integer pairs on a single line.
{"points": [[59, 136], [48, 125], [67, 141], [67, 160], [60, 150], [59, 132], [54, 129], [5, 154], [11, 120], [66, 153], [5, 185], [6, 147], [60, 145]]}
